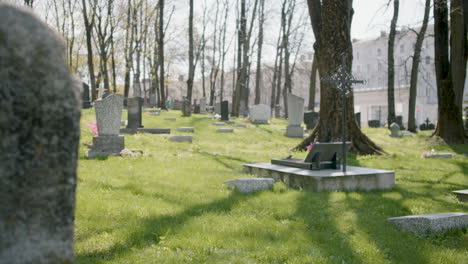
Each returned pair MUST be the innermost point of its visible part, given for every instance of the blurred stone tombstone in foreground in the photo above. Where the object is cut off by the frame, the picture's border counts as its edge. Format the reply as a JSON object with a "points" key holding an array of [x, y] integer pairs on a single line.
{"points": [[260, 114], [39, 136]]}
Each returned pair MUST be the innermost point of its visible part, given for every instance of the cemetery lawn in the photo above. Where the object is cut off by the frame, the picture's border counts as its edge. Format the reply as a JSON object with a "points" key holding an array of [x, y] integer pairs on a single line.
{"points": [[170, 206]]}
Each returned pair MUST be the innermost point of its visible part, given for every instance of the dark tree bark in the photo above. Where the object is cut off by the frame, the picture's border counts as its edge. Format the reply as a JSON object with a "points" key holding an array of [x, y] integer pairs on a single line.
{"points": [[313, 80], [128, 49], [191, 56], [161, 54], [391, 118], [331, 22], [89, 45], [450, 72], [415, 69], [258, 77]]}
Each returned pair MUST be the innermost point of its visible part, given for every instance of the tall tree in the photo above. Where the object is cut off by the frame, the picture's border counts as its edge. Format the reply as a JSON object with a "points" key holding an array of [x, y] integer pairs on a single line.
{"points": [[129, 36], [415, 69], [331, 23], [161, 54], [450, 64], [89, 24], [191, 55], [391, 65], [258, 77]]}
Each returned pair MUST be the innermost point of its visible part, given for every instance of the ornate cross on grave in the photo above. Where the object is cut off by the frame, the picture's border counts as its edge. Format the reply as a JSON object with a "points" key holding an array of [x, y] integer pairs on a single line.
{"points": [[343, 81]]}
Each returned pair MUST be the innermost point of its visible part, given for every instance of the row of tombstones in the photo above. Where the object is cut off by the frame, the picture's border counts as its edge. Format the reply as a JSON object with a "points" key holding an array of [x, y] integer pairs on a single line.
{"points": [[427, 125]]}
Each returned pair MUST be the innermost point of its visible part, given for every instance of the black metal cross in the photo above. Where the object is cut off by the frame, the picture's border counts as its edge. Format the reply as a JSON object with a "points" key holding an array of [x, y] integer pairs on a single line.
{"points": [[343, 81]]}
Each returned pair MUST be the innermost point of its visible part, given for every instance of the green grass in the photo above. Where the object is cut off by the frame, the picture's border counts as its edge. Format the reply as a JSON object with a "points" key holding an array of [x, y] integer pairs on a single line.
{"points": [[170, 206]]}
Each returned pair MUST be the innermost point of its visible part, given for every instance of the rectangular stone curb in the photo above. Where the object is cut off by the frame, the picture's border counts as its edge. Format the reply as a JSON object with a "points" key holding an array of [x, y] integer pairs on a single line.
{"points": [[425, 224]]}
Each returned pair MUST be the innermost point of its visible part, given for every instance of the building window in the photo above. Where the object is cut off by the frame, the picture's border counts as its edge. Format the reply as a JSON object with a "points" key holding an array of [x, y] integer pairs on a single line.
{"points": [[402, 48], [379, 52], [428, 59], [379, 66]]}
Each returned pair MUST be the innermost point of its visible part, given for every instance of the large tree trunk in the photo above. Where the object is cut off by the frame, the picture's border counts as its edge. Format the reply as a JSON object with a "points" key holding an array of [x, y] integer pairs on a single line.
{"points": [[450, 124], [333, 47], [89, 45], [313, 80], [191, 57], [161, 54], [129, 36], [391, 65], [415, 70], [258, 77]]}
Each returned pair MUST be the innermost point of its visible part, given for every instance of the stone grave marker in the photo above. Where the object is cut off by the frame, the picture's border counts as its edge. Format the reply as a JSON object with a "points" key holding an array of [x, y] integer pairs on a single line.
{"points": [[202, 105], [186, 129], [85, 99], [134, 105], [40, 130], [310, 119], [225, 130], [260, 114], [295, 116], [277, 111], [249, 185], [358, 118], [395, 130], [224, 111], [108, 113], [181, 139], [217, 108], [430, 223]]}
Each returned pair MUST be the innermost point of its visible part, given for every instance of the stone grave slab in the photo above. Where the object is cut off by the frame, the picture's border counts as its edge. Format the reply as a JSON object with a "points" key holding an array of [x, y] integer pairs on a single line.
{"points": [[241, 125], [439, 155], [186, 129], [170, 119], [184, 138], [145, 130], [225, 130], [355, 178], [207, 117], [219, 123], [430, 223], [462, 195], [249, 185]]}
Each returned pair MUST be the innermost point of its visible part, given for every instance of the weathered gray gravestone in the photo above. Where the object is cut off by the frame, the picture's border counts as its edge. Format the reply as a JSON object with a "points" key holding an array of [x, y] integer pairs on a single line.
{"points": [[39, 136], [108, 114], [295, 116], [395, 130], [202, 105], [85, 99], [224, 111], [260, 114], [134, 112]]}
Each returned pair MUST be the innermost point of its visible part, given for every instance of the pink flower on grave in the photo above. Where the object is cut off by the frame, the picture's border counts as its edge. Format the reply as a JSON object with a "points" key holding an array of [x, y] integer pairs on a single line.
{"points": [[93, 127], [310, 146]]}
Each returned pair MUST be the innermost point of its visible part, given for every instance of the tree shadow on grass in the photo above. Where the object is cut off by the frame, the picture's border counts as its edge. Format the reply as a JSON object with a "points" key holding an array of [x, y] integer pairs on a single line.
{"points": [[224, 159], [459, 148], [150, 230]]}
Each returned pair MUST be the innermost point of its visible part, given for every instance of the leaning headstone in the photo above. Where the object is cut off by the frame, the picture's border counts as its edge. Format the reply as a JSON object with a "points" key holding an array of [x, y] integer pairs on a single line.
{"points": [[40, 129], [108, 113], [295, 116], [310, 119], [224, 111], [85, 101], [202, 105], [249, 185], [425, 224], [395, 130], [260, 114], [134, 112]]}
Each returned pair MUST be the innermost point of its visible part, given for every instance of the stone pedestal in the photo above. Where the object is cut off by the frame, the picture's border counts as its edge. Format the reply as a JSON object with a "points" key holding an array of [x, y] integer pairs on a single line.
{"points": [[295, 131], [104, 146]]}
